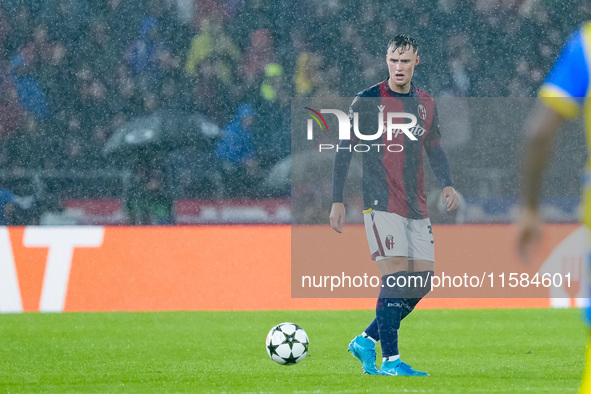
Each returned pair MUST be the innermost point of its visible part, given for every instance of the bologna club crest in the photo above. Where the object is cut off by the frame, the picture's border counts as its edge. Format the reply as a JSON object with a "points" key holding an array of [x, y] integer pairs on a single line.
{"points": [[422, 111], [389, 242]]}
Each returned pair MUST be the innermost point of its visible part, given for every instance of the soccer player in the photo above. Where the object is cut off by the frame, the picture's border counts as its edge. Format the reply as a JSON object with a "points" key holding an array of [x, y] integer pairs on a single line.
{"points": [[562, 96], [395, 205]]}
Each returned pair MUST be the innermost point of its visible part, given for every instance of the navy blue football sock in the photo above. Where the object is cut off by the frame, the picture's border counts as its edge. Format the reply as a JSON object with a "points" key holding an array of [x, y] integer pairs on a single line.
{"points": [[372, 330], [408, 305], [422, 287], [389, 311]]}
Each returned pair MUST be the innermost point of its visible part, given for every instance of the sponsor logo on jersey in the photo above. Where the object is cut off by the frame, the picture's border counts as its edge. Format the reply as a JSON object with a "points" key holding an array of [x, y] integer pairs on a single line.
{"points": [[416, 131]]}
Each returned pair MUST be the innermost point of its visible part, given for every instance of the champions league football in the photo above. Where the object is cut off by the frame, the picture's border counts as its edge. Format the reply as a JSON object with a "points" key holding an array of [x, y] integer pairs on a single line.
{"points": [[287, 344]]}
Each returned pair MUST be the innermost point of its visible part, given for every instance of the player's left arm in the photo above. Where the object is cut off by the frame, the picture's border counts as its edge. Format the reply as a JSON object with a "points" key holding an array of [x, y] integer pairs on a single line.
{"points": [[561, 97], [442, 170], [440, 165]]}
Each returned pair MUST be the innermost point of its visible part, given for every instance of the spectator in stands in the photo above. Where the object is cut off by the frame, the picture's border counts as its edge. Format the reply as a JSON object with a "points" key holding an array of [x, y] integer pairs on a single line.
{"points": [[45, 59], [7, 206], [30, 95], [210, 65], [237, 144], [148, 56], [98, 138], [307, 74], [55, 77], [151, 103], [5, 30], [272, 137], [213, 41], [101, 49], [21, 22], [211, 97], [170, 30], [172, 94], [29, 146], [12, 112], [460, 61], [67, 130], [256, 14], [237, 153], [40, 48], [125, 96], [149, 200], [272, 85], [221, 11], [93, 100], [258, 55], [67, 20], [76, 154], [140, 54]]}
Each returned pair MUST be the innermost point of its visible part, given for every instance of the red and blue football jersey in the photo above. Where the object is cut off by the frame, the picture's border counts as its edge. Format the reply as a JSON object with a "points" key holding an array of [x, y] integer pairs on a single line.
{"points": [[393, 179]]}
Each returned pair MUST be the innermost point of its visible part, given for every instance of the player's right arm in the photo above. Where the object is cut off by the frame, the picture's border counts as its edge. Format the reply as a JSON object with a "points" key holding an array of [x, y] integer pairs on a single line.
{"points": [[342, 160], [337, 216]]}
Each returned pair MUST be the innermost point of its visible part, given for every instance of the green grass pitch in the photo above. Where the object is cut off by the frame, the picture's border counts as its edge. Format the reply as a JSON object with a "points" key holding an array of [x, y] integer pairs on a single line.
{"points": [[480, 351]]}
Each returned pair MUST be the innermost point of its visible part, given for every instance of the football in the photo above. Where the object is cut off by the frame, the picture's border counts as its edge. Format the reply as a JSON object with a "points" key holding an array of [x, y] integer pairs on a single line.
{"points": [[287, 343]]}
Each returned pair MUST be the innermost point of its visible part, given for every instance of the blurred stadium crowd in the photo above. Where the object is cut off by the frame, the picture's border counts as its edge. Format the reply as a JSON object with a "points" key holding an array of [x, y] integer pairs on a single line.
{"points": [[74, 71]]}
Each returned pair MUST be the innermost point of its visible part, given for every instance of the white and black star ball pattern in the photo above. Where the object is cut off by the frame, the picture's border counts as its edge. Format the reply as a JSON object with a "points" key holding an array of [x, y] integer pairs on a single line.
{"points": [[287, 344]]}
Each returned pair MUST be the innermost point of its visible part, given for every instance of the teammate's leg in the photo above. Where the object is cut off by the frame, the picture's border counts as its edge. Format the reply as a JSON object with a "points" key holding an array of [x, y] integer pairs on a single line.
{"points": [[586, 383]]}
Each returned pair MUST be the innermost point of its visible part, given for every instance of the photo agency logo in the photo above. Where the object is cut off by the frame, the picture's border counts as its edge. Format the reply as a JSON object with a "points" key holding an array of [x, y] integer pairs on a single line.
{"points": [[386, 125]]}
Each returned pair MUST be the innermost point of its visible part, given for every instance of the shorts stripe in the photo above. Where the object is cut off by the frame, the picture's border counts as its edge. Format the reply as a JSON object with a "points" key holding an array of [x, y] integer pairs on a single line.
{"points": [[377, 235], [413, 238]]}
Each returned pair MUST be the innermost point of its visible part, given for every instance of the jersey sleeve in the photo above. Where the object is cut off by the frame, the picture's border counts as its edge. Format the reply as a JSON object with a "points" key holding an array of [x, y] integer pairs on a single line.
{"points": [[433, 137], [440, 165], [356, 106], [567, 84], [342, 158], [437, 157]]}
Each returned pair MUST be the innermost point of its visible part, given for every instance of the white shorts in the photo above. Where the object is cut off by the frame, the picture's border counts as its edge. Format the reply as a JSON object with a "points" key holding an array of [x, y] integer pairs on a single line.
{"points": [[391, 235]]}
